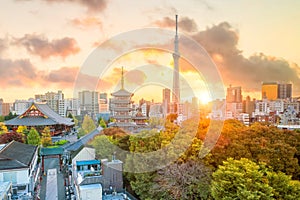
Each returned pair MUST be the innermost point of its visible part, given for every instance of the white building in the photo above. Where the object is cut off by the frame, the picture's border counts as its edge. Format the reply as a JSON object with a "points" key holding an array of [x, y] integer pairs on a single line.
{"points": [[5, 190], [18, 165], [20, 106], [72, 105], [89, 102], [95, 179]]}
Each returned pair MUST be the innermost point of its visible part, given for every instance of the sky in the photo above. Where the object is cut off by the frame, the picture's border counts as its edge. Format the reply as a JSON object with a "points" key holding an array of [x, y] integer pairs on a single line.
{"points": [[70, 45]]}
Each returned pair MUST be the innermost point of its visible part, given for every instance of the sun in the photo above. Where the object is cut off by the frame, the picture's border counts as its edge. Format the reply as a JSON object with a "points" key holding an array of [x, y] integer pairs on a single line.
{"points": [[204, 97]]}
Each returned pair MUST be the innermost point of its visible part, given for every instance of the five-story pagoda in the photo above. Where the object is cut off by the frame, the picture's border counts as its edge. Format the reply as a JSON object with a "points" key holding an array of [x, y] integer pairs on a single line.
{"points": [[121, 108]]}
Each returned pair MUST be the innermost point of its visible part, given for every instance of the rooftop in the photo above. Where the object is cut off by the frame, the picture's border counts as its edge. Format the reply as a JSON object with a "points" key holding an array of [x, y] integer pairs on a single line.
{"points": [[87, 162], [122, 92], [39, 114], [16, 155]]}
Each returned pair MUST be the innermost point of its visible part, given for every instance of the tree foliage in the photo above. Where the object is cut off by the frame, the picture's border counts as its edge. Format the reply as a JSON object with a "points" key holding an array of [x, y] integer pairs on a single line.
{"points": [[33, 137], [88, 124], [172, 117], [187, 176], [10, 116], [189, 180], [260, 143], [10, 136], [23, 130], [102, 123], [244, 179], [46, 139], [3, 128]]}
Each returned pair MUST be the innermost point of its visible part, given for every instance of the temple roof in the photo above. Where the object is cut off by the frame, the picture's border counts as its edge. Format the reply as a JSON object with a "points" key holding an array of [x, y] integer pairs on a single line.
{"points": [[16, 155], [39, 114], [122, 92]]}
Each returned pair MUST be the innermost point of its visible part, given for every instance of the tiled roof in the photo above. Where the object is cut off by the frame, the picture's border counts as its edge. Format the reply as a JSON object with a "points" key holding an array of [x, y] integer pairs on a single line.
{"points": [[122, 92], [16, 155], [51, 151], [83, 140], [52, 118]]}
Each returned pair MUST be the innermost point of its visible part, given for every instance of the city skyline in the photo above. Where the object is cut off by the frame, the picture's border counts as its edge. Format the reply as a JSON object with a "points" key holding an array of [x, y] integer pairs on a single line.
{"points": [[35, 58]]}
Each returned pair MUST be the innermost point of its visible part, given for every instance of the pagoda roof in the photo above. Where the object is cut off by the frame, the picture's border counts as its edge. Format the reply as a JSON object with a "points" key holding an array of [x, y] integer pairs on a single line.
{"points": [[39, 114], [16, 155], [122, 92]]}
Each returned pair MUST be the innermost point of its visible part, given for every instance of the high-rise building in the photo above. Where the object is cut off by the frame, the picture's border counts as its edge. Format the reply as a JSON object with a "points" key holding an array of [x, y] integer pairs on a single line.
{"points": [[89, 103], [4, 108], [166, 101], [269, 90], [72, 105], [176, 86], [234, 95], [40, 97], [284, 90], [249, 106], [234, 102], [20, 106], [55, 101]]}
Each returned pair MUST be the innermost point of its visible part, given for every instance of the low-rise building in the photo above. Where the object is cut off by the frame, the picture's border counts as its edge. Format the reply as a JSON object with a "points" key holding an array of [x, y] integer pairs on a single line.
{"points": [[18, 165]]}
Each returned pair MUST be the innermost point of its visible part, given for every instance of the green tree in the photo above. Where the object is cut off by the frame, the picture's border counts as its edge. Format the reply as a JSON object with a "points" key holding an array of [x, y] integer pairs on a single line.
{"points": [[155, 122], [80, 133], [33, 137], [88, 124], [70, 115], [104, 146], [10, 116], [74, 119], [46, 137], [244, 179], [1, 118], [240, 179], [102, 123]]}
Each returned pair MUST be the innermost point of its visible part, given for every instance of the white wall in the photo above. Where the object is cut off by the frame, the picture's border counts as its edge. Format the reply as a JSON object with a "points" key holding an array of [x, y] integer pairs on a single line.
{"points": [[21, 175]]}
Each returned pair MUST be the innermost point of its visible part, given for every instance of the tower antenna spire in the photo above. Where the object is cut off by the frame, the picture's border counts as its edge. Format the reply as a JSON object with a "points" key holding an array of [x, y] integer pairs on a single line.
{"points": [[176, 86], [122, 79], [176, 16]]}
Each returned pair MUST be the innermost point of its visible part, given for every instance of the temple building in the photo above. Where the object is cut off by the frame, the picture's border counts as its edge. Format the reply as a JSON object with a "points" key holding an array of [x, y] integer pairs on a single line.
{"points": [[120, 107], [140, 119], [39, 116]]}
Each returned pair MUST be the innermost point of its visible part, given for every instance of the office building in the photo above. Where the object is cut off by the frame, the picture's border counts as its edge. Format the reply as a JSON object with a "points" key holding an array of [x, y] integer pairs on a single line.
{"points": [[269, 90], [89, 102], [234, 95], [284, 91]]}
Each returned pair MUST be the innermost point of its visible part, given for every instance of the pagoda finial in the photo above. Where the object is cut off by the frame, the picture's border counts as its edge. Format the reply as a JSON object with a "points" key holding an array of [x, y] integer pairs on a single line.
{"points": [[176, 17], [122, 79]]}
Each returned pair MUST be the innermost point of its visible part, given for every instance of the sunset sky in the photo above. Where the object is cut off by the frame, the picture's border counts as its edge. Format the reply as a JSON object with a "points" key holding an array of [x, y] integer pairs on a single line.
{"points": [[48, 45]]}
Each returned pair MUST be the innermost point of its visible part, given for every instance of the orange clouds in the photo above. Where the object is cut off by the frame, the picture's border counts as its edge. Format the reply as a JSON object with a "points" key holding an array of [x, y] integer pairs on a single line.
{"points": [[39, 45], [87, 22], [135, 76], [91, 5], [185, 23], [15, 73]]}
